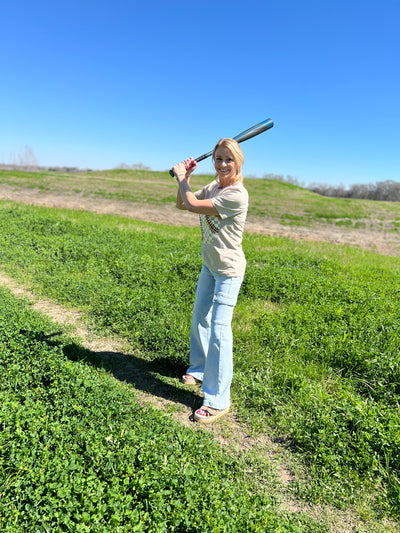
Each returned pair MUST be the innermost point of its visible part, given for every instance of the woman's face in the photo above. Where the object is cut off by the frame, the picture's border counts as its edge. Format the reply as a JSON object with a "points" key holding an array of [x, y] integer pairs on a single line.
{"points": [[225, 166]]}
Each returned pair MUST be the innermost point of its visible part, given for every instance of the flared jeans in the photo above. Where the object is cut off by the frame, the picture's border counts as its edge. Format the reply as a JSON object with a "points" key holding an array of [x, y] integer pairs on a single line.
{"points": [[211, 358]]}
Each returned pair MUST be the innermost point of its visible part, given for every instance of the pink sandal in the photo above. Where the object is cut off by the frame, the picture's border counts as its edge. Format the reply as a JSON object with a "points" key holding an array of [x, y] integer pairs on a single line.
{"points": [[205, 416], [187, 379]]}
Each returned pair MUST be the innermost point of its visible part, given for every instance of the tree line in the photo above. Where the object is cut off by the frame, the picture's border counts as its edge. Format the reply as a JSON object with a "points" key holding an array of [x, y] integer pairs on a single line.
{"points": [[383, 191]]}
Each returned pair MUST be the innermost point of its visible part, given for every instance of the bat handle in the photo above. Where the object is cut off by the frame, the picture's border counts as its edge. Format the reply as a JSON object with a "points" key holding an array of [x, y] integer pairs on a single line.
{"points": [[198, 159]]}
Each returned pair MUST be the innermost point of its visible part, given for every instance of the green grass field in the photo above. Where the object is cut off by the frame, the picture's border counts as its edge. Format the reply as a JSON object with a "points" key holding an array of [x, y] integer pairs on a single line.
{"points": [[316, 353]]}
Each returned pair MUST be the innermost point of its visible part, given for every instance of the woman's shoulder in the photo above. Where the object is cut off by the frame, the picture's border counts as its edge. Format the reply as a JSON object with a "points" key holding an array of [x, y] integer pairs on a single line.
{"points": [[212, 185], [213, 189], [238, 188]]}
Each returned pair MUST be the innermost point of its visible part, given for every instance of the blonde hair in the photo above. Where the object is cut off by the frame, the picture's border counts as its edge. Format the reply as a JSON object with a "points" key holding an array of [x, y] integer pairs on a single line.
{"points": [[237, 154]]}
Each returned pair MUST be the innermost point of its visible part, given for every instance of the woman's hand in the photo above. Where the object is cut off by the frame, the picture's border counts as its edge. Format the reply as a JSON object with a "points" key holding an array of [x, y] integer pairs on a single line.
{"points": [[183, 170]]}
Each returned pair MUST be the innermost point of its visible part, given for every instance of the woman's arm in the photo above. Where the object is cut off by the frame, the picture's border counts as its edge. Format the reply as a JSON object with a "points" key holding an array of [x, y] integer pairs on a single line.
{"points": [[183, 169], [179, 202], [191, 203], [185, 198]]}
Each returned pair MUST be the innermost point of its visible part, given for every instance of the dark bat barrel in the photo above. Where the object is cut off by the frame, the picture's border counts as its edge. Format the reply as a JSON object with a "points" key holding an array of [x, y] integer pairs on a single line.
{"points": [[264, 126]]}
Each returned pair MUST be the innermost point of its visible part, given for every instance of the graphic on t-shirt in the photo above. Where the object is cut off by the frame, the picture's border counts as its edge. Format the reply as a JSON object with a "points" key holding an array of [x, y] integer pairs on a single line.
{"points": [[209, 227]]}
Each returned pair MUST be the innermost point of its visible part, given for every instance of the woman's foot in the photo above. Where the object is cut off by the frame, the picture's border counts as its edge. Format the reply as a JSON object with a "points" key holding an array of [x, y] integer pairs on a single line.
{"points": [[206, 414], [187, 379]]}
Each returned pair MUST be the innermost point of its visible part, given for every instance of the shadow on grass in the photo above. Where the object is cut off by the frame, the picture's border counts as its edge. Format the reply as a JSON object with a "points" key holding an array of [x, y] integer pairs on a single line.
{"points": [[143, 375]]}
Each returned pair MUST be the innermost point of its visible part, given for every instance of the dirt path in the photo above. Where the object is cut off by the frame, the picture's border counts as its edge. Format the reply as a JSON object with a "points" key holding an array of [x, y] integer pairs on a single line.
{"points": [[382, 242]]}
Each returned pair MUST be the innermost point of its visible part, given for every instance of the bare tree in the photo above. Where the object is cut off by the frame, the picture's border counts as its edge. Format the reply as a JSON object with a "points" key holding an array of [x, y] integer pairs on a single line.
{"points": [[140, 166], [27, 158], [135, 166], [388, 191]]}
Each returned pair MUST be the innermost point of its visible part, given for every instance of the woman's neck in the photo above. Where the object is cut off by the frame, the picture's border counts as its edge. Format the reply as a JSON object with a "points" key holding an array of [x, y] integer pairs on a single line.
{"points": [[222, 184]]}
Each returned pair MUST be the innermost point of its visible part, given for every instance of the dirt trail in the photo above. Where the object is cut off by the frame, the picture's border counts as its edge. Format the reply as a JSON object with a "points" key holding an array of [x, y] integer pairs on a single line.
{"points": [[382, 242]]}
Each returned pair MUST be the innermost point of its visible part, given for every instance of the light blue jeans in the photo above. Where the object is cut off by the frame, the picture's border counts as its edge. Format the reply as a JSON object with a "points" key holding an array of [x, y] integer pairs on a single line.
{"points": [[211, 358]]}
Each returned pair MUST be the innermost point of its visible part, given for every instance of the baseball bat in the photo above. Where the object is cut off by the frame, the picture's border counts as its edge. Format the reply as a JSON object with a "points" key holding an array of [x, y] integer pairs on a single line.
{"points": [[244, 136]]}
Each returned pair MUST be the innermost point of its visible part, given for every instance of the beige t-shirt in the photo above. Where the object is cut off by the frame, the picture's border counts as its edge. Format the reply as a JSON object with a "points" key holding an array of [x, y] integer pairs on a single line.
{"points": [[221, 236]]}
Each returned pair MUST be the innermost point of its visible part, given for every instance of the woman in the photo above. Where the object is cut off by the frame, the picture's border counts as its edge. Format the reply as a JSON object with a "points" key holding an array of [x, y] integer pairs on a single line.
{"points": [[222, 206]]}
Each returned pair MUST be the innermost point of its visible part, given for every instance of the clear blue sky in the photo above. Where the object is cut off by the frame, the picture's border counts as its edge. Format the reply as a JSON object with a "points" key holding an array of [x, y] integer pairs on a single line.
{"points": [[97, 83]]}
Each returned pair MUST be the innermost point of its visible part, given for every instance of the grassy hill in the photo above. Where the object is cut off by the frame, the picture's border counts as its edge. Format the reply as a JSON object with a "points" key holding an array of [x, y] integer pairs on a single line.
{"points": [[280, 201]]}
